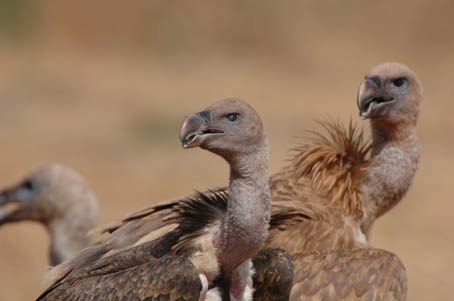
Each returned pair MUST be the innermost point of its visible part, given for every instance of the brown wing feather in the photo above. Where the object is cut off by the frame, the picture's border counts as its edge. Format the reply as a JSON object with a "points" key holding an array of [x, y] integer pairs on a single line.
{"points": [[360, 274], [131, 278], [162, 209], [333, 164], [96, 254], [166, 278], [273, 275]]}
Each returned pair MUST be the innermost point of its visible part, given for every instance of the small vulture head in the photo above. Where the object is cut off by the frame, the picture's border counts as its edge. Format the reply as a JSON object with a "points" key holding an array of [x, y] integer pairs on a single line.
{"points": [[390, 92], [230, 127], [48, 193]]}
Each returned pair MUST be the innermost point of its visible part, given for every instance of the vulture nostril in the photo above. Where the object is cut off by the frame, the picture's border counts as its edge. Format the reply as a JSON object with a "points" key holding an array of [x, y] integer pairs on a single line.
{"points": [[376, 81], [3, 198], [206, 116], [190, 138]]}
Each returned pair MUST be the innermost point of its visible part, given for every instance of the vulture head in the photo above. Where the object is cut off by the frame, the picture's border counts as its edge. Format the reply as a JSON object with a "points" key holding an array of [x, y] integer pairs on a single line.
{"points": [[229, 128], [390, 92], [49, 193]]}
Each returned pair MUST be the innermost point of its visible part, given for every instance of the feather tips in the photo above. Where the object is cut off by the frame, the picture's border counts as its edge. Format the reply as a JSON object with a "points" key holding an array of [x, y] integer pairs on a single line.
{"points": [[333, 163], [355, 274]]}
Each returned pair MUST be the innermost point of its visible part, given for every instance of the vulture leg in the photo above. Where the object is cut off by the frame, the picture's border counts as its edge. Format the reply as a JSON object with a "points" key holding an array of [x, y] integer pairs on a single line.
{"points": [[360, 274], [273, 275]]}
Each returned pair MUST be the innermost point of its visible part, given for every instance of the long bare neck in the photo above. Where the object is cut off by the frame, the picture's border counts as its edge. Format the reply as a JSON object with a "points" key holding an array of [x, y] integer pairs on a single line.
{"points": [[68, 235], [395, 155], [245, 227]]}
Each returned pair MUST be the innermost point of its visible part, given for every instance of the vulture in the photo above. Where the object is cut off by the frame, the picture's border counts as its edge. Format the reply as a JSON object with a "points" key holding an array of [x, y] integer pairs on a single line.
{"points": [[208, 256], [324, 202], [57, 197]]}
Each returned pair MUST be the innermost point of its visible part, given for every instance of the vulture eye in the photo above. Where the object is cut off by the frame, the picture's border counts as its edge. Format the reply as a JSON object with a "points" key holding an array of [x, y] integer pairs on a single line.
{"points": [[27, 185], [26, 191], [232, 117], [399, 82]]}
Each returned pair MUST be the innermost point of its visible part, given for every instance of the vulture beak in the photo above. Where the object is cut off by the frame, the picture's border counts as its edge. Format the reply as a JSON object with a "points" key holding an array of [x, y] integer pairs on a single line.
{"points": [[9, 205], [196, 128], [371, 95]]}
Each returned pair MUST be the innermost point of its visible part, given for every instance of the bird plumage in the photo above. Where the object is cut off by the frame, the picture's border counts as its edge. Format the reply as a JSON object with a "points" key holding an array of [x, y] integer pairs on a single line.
{"points": [[358, 274], [273, 276], [130, 275]]}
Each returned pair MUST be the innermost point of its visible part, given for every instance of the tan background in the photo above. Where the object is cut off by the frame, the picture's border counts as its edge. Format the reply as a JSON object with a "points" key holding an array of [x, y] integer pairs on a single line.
{"points": [[103, 85]]}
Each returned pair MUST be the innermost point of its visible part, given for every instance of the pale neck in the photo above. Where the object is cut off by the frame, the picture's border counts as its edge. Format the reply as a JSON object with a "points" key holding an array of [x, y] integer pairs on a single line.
{"points": [[384, 134], [68, 236], [395, 156], [245, 227]]}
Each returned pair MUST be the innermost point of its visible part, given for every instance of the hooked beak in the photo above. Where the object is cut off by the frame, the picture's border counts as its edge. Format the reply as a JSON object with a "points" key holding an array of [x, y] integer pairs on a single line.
{"points": [[9, 205], [371, 95], [196, 128]]}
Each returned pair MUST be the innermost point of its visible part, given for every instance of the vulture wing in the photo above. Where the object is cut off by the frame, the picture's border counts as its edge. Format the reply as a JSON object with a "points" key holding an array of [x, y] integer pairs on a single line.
{"points": [[360, 274], [196, 215], [130, 276]]}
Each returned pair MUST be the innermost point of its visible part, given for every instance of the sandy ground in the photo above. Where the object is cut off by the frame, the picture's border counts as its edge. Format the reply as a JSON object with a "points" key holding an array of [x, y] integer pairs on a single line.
{"points": [[116, 121]]}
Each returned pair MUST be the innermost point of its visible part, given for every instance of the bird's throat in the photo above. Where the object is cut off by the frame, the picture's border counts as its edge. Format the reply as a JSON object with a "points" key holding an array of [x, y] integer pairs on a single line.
{"points": [[245, 227]]}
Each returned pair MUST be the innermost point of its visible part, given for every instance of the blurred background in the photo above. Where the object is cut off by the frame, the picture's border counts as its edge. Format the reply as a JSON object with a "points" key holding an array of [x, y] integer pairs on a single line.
{"points": [[102, 86]]}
